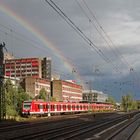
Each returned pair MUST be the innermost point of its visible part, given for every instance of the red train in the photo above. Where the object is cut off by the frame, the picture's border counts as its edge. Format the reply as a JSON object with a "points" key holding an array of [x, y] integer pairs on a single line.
{"points": [[40, 107]]}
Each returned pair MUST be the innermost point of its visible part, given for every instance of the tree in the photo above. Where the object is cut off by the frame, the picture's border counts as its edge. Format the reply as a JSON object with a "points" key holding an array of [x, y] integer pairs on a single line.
{"points": [[128, 103], [20, 97], [134, 105], [14, 98], [10, 92], [42, 94], [111, 100]]}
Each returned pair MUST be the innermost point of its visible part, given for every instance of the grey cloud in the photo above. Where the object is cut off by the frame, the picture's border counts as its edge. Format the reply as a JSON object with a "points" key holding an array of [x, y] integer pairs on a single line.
{"points": [[119, 18]]}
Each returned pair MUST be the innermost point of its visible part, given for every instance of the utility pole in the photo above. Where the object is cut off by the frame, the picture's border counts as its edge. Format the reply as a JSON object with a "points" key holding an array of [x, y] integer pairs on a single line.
{"points": [[49, 106], [2, 90]]}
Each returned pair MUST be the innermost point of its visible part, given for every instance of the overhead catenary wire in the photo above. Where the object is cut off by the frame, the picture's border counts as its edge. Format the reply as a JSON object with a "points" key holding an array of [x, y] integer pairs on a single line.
{"points": [[81, 33], [96, 27], [106, 38], [112, 43], [88, 40], [115, 50]]}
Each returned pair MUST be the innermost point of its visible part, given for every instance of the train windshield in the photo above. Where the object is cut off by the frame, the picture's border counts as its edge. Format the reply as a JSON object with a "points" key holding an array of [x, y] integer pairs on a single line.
{"points": [[27, 105]]}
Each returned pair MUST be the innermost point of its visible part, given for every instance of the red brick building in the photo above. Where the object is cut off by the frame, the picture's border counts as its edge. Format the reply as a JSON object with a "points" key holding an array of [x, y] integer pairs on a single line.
{"points": [[24, 67], [66, 91]]}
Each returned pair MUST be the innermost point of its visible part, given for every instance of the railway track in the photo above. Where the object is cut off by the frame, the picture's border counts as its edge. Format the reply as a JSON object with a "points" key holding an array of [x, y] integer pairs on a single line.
{"points": [[71, 131], [56, 129], [5, 127], [126, 132], [64, 130], [33, 125]]}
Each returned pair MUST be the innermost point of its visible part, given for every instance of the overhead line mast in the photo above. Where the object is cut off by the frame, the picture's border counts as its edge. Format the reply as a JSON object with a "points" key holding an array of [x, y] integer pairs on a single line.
{"points": [[2, 90]]}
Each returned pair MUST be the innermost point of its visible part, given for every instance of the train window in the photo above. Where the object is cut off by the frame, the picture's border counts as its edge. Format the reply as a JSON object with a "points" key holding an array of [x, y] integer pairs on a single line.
{"points": [[64, 106], [41, 107], [47, 107], [69, 107], [77, 106], [37, 106], [27, 106], [52, 106], [44, 107], [55, 106], [73, 107]]}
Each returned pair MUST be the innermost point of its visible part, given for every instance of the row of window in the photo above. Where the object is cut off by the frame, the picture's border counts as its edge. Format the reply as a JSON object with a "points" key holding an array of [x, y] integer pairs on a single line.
{"points": [[71, 85], [71, 94], [20, 61], [72, 89], [21, 65], [59, 107]]}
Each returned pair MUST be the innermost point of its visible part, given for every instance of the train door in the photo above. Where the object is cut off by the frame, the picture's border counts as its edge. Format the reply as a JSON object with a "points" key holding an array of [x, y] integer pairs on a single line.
{"points": [[41, 108]]}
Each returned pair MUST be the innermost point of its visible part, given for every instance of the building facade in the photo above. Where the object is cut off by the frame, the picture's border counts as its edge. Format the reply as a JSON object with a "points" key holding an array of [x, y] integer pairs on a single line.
{"points": [[32, 86], [94, 96], [46, 68], [25, 67], [66, 91]]}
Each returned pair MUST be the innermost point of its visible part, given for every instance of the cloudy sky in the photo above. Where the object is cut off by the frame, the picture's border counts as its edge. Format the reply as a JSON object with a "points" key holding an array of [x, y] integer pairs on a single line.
{"points": [[95, 42]]}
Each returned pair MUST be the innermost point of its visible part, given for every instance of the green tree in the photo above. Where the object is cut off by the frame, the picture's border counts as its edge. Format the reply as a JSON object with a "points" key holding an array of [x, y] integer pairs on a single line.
{"points": [[42, 94], [111, 100], [20, 97], [134, 105], [14, 98], [10, 93], [128, 103]]}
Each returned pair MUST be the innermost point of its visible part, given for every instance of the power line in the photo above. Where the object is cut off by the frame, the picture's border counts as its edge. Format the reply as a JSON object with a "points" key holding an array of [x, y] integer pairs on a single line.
{"points": [[78, 31], [96, 27], [115, 50]]}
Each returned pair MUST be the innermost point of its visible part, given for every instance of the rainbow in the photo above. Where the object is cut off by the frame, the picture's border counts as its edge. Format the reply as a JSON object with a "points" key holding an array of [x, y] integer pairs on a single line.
{"points": [[39, 35]]}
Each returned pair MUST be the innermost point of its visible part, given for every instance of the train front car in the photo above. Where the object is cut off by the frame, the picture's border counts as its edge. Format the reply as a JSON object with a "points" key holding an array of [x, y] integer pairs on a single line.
{"points": [[26, 108], [34, 107]]}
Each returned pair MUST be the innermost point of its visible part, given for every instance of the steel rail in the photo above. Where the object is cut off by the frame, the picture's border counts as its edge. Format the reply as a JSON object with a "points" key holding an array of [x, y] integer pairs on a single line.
{"points": [[51, 134], [133, 125]]}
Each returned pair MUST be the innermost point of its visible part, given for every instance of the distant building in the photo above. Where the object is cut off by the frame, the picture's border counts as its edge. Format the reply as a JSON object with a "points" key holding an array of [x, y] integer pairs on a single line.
{"points": [[32, 86], [66, 91], [46, 68], [25, 67], [8, 56], [94, 96]]}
